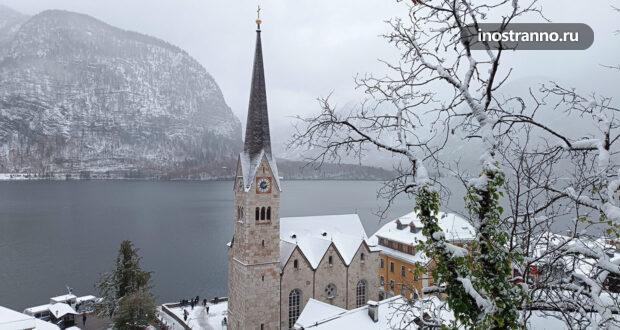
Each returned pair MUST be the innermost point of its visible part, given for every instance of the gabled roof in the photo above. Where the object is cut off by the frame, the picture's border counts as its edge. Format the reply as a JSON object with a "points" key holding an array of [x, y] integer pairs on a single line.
{"points": [[249, 166], [314, 234], [61, 309], [455, 228]]}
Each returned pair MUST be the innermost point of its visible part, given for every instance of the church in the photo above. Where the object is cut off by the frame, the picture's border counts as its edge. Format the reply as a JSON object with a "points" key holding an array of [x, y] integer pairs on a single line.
{"points": [[276, 265]]}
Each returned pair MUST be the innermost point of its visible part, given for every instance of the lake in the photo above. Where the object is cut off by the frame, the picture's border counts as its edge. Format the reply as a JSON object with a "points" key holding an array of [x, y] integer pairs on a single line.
{"points": [[59, 233]]}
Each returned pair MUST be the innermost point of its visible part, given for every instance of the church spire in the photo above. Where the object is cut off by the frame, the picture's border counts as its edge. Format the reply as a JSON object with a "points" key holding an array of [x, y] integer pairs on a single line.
{"points": [[257, 136]]}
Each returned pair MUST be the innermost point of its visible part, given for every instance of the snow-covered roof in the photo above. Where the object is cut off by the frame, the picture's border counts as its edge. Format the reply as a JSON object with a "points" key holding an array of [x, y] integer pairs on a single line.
{"points": [[314, 234], [317, 316], [61, 309], [419, 257], [85, 298], [317, 310], [250, 165], [37, 309], [455, 228], [63, 298], [13, 320]]}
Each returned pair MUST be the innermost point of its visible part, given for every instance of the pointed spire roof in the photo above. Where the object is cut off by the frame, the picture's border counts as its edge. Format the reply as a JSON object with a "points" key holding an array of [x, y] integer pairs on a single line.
{"points": [[257, 145], [257, 137]]}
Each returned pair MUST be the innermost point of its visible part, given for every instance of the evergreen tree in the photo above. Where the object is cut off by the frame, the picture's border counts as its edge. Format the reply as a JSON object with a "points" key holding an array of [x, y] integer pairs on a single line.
{"points": [[125, 291]]}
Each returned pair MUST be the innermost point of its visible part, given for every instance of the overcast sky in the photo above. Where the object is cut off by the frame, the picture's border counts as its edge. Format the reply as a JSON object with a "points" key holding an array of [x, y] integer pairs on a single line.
{"points": [[312, 47]]}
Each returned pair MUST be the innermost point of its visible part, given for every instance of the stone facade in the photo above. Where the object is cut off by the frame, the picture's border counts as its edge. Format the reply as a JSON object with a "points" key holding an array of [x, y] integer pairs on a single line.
{"points": [[254, 264], [260, 283], [312, 283]]}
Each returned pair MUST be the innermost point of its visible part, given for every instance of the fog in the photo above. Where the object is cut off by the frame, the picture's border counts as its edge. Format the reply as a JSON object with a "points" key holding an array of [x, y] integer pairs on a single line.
{"points": [[312, 48]]}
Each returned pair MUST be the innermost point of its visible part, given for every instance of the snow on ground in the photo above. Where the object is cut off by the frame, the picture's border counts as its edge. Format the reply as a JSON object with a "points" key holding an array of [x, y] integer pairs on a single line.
{"points": [[198, 318]]}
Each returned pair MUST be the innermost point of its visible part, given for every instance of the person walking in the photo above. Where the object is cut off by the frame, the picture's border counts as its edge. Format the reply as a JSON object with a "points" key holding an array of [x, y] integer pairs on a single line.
{"points": [[84, 319]]}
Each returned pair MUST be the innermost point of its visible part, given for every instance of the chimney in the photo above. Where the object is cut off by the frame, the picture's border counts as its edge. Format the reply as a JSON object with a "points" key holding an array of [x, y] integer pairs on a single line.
{"points": [[373, 310]]}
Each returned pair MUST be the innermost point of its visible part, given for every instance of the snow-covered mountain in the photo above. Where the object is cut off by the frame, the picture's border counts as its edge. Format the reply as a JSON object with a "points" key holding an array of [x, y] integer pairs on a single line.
{"points": [[80, 96]]}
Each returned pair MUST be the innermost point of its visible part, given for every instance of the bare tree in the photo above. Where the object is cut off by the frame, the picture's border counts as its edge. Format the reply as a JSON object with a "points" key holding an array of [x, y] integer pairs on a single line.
{"points": [[442, 92]]}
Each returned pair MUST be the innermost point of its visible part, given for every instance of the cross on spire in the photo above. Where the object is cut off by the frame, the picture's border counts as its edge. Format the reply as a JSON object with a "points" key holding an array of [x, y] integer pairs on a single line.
{"points": [[258, 20]]}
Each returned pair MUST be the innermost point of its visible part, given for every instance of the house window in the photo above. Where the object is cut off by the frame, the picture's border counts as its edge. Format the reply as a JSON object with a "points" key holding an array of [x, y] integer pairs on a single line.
{"points": [[262, 326], [257, 213], [425, 281], [382, 280], [269, 213], [263, 243], [382, 263], [391, 284], [360, 293], [295, 264], [391, 267], [330, 260], [262, 213], [362, 256], [402, 271], [400, 247], [294, 300], [330, 291]]}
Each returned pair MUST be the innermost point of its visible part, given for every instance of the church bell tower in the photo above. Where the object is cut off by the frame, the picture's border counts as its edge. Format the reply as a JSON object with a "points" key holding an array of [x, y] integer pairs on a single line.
{"points": [[254, 254]]}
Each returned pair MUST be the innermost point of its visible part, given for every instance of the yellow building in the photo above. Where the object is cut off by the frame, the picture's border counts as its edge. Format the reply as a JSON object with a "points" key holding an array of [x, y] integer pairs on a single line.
{"points": [[405, 269]]}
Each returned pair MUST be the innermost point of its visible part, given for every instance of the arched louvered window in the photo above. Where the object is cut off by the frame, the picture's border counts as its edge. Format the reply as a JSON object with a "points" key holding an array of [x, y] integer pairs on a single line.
{"points": [[262, 213], [269, 213], [360, 293], [257, 213], [294, 307]]}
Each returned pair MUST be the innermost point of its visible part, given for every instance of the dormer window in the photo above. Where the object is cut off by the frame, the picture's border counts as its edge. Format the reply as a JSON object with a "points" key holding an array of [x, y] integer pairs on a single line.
{"points": [[399, 225]]}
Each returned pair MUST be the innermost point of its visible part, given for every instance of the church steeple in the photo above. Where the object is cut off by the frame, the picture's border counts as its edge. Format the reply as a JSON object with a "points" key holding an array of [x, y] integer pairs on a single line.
{"points": [[257, 135]]}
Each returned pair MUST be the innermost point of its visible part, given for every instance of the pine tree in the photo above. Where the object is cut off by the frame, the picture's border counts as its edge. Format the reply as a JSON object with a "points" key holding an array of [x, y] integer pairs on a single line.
{"points": [[125, 291]]}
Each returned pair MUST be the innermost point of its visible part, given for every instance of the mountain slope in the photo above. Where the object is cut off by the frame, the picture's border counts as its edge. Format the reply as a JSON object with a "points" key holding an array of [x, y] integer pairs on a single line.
{"points": [[78, 95]]}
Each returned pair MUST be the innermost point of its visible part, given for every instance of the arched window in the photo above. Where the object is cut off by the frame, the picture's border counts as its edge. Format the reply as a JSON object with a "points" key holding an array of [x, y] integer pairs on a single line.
{"points": [[257, 213], [262, 213], [360, 293], [269, 213], [294, 307], [295, 264], [263, 243], [330, 260], [362, 256], [330, 291]]}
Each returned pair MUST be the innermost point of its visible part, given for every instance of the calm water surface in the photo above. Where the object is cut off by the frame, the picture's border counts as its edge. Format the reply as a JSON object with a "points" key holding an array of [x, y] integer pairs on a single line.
{"points": [[54, 234]]}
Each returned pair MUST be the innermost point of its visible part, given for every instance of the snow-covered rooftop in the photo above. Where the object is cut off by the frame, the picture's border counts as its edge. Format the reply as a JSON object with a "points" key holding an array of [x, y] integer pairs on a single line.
{"points": [[318, 316], [455, 228], [250, 165], [63, 298], [13, 320], [61, 309], [314, 234]]}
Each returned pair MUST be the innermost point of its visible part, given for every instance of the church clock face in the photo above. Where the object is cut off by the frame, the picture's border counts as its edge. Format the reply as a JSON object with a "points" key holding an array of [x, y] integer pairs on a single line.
{"points": [[263, 185]]}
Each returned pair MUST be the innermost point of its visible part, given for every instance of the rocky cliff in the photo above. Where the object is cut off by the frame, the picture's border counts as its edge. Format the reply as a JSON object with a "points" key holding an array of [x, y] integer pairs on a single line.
{"points": [[81, 97]]}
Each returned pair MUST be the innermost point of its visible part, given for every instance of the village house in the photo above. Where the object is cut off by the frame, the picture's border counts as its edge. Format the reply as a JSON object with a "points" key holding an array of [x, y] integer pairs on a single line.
{"points": [[399, 268]]}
